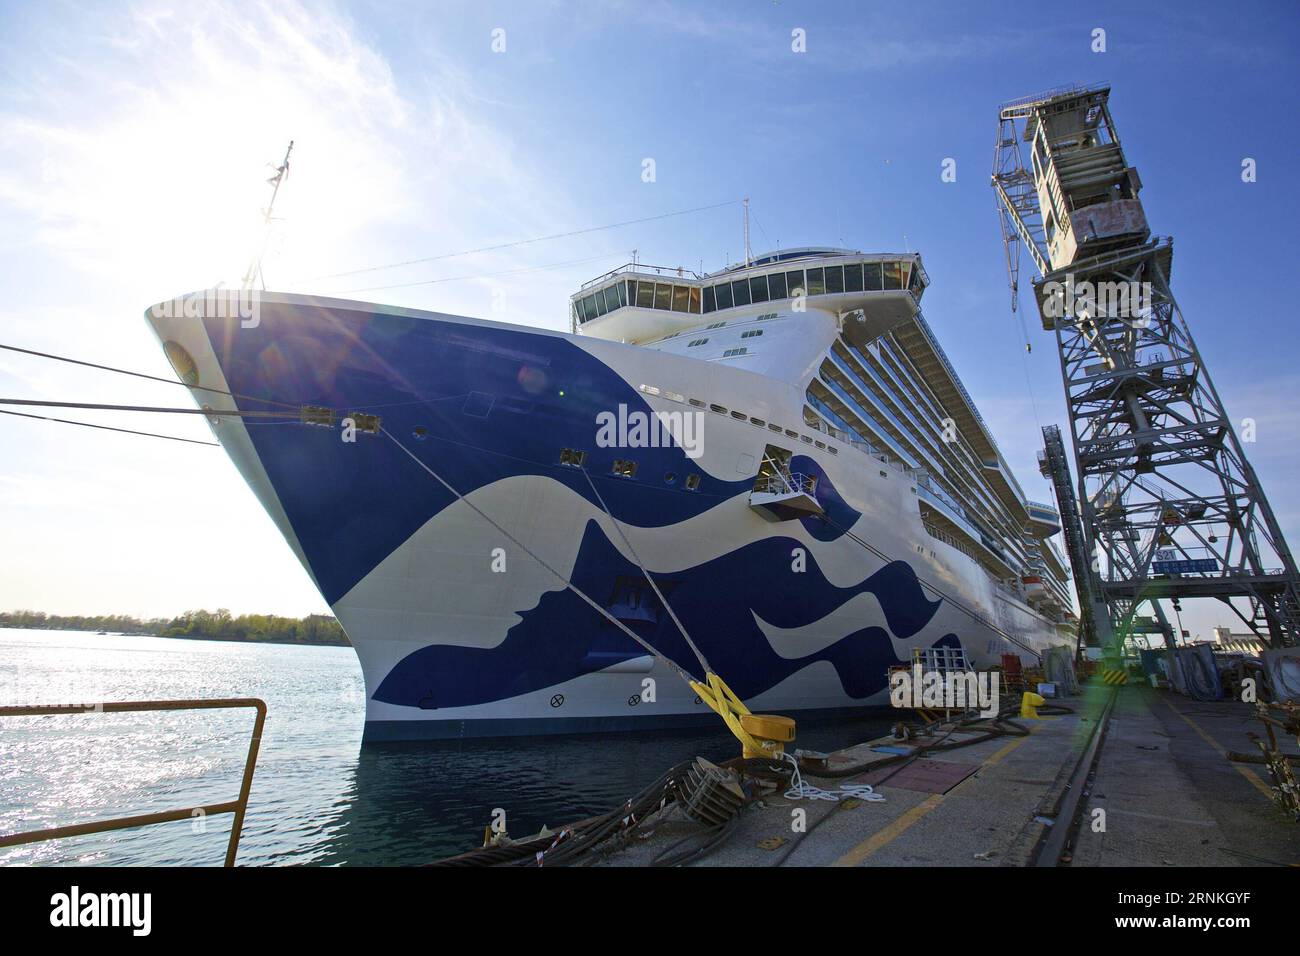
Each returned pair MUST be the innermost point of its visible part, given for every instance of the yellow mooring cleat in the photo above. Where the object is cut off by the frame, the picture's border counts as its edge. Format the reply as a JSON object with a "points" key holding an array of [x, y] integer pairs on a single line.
{"points": [[760, 735], [1029, 705]]}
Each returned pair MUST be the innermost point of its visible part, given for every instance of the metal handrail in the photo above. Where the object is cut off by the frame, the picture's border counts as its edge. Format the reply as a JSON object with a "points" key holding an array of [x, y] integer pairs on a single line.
{"points": [[784, 482], [237, 806], [690, 276]]}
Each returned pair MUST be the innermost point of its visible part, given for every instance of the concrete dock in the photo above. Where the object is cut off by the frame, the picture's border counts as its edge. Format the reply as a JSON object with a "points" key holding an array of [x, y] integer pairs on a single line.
{"points": [[1159, 772]]}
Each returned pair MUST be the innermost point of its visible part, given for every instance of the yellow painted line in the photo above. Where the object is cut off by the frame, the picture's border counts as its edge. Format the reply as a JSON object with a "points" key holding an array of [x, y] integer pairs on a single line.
{"points": [[1245, 771], [896, 828], [890, 833], [997, 757]]}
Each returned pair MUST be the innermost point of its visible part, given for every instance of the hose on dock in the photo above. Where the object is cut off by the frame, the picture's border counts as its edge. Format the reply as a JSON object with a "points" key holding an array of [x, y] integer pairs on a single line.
{"points": [[999, 726], [590, 840], [571, 843]]}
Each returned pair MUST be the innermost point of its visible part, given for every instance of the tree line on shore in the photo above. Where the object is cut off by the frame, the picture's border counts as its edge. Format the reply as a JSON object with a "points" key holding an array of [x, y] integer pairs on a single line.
{"points": [[218, 625]]}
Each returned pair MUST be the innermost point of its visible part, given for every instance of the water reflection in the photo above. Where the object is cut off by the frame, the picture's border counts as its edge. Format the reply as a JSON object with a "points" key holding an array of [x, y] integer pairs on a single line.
{"points": [[318, 796]]}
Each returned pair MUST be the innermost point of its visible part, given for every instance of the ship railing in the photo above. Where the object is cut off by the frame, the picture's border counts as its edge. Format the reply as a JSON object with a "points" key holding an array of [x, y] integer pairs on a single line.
{"points": [[640, 268], [238, 806], [786, 483], [949, 539], [1043, 96]]}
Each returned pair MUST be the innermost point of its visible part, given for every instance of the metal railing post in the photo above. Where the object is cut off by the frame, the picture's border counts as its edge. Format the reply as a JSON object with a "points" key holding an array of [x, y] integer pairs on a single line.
{"points": [[238, 806]]}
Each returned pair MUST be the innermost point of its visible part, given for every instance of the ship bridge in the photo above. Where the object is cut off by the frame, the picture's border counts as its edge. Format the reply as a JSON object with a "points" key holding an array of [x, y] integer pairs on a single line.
{"points": [[640, 303]]}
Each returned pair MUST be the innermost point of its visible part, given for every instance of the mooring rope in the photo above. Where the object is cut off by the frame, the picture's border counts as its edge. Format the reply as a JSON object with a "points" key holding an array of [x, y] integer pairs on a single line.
{"points": [[144, 375], [699, 655], [109, 428]]}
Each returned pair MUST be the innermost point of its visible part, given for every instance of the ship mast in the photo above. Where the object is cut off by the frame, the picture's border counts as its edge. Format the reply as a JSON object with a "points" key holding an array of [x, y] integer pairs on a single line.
{"points": [[749, 257], [254, 271]]}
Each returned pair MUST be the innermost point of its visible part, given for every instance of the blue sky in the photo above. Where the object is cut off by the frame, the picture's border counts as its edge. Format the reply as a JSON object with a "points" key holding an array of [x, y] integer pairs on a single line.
{"points": [[134, 138]]}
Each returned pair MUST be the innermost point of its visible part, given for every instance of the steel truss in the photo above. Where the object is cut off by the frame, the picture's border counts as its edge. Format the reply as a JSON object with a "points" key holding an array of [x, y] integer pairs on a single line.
{"points": [[1168, 501]]}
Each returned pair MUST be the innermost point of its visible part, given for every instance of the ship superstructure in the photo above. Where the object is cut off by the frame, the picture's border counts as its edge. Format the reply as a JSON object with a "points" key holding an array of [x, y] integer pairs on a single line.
{"points": [[848, 327], [822, 501]]}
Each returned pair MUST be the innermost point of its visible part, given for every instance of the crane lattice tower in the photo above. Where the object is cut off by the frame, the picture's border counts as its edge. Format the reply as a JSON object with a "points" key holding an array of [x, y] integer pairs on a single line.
{"points": [[1169, 505]]}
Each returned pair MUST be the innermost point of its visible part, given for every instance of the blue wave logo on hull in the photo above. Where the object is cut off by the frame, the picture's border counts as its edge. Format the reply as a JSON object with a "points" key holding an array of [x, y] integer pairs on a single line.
{"points": [[563, 638], [478, 403]]}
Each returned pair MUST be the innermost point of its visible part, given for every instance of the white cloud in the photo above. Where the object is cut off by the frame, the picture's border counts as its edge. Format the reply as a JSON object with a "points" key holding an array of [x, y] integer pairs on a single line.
{"points": [[132, 166]]}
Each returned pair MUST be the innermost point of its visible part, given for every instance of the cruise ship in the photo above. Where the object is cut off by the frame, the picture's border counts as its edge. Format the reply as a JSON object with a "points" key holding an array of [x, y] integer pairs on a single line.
{"points": [[780, 452]]}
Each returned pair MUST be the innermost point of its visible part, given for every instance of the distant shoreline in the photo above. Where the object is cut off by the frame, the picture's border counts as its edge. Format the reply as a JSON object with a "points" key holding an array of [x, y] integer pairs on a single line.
{"points": [[315, 630], [182, 637]]}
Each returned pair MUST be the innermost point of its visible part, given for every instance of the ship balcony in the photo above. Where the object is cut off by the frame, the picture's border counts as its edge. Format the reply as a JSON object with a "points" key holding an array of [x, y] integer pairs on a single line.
{"points": [[1044, 520], [784, 496], [954, 529]]}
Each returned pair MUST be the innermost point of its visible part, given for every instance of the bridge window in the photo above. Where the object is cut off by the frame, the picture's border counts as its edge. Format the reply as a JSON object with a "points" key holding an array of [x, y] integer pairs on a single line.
{"points": [[834, 279], [611, 298], [740, 292], [663, 296], [871, 278], [710, 303], [693, 296], [645, 295], [758, 289], [776, 285], [816, 282], [724, 295], [853, 278], [680, 298], [794, 281], [893, 276]]}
